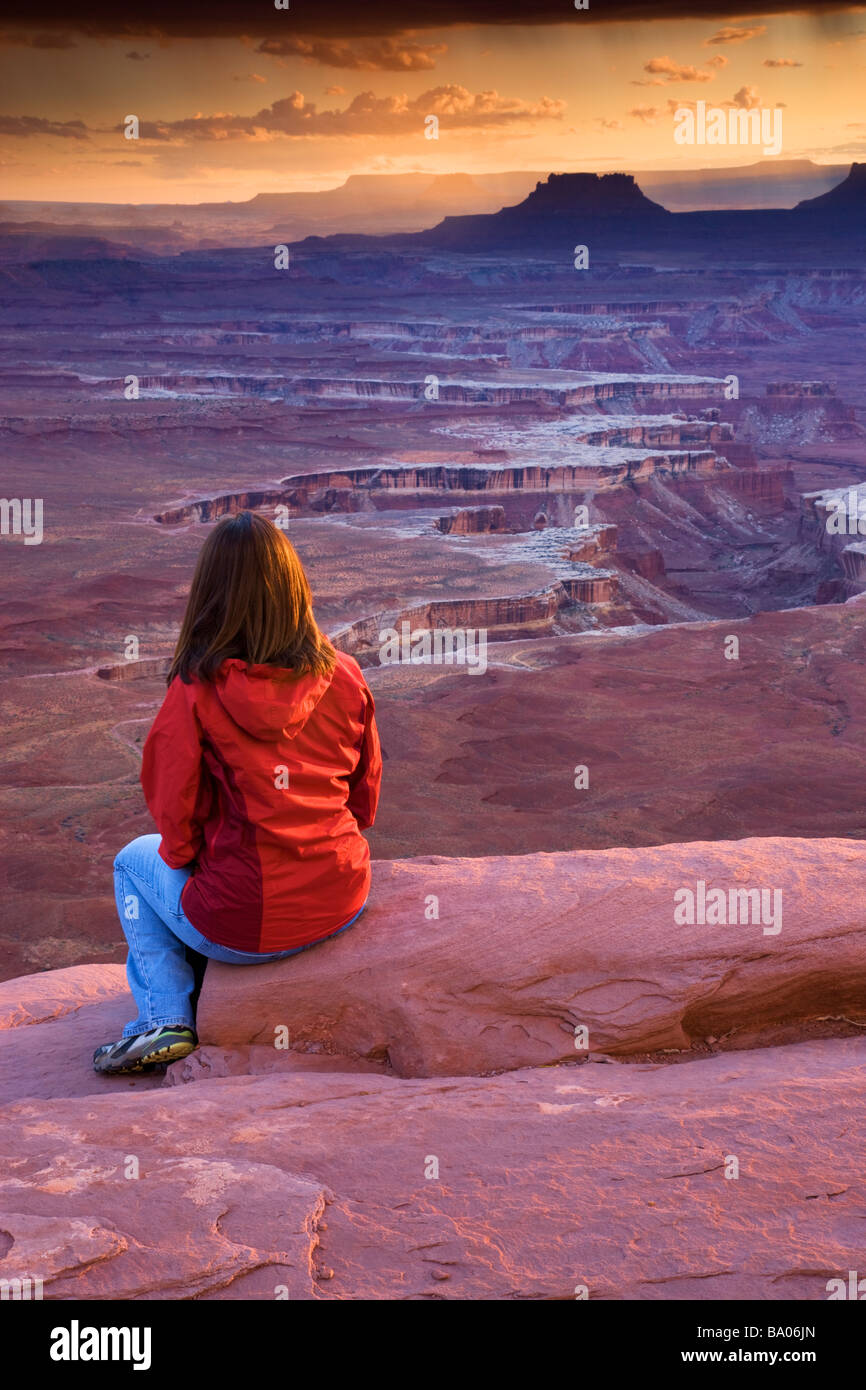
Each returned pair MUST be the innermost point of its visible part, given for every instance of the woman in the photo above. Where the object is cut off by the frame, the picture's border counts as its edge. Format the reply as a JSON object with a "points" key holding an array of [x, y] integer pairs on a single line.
{"points": [[261, 770]]}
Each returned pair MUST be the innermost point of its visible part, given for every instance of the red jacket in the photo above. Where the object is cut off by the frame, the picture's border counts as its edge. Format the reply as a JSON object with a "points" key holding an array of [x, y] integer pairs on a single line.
{"points": [[266, 779]]}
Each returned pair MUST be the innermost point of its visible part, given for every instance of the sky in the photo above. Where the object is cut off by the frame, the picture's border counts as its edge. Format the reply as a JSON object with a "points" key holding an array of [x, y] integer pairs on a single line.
{"points": [[236, 100]]}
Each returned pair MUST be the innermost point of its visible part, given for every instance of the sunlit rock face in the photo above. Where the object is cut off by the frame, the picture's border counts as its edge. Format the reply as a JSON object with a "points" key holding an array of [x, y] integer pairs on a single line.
{"points": [[500, 619], [641, 971], [470, 521], [596, 544]]}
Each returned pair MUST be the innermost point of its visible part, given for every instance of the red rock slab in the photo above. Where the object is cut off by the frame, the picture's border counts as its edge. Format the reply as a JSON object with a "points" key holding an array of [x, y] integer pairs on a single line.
{"points": [[50, 1025], [54, 1058], [41, 998], [606, 1178], [525, 950], [182, 1227]]}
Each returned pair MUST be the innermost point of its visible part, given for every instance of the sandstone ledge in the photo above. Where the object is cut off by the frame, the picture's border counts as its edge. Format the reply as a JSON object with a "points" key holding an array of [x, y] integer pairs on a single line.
{"points": [[527, 948], [264, 1173], [610, 1177]]}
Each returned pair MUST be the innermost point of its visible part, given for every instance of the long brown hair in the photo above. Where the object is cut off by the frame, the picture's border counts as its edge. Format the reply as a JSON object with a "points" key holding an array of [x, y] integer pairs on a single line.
{"points": [[250, 599]]}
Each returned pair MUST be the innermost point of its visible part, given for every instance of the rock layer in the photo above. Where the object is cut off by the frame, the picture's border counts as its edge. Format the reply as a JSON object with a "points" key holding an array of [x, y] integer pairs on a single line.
{"points": [[373, 1187], [499, 618], [525, 951], [469, 521]]}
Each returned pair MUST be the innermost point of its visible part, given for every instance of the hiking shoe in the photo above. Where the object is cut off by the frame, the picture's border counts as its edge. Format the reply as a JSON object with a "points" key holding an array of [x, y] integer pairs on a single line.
{"points": [[145, 1050]]}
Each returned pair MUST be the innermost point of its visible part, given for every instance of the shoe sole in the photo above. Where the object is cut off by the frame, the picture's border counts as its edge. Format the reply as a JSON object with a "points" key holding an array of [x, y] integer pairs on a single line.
{"points": [[172, 1053]]}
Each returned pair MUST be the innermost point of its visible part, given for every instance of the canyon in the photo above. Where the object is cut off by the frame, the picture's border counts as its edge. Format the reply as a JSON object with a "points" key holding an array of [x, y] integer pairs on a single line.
{"points": [[580, 461], [625, 477]]}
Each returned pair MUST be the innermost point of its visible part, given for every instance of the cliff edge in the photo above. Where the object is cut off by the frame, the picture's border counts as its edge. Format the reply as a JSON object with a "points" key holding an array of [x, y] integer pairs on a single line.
{"points": [[389, 1115]]}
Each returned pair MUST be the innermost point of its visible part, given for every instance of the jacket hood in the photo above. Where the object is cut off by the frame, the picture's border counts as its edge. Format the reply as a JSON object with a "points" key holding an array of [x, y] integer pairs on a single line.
{"points": [[269, 702]]}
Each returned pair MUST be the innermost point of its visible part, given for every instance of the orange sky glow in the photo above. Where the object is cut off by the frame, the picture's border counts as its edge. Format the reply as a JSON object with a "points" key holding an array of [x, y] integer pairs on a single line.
{"points": [[227, 117]]}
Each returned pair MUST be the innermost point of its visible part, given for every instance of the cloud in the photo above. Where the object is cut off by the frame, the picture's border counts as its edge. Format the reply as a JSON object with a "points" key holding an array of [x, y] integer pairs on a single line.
{"points": [[781, 63], [37, 125], [396, 54], [138, 57], [852, 149], [607, 125], [665, 70], [647, 114], [51, 41], [367, 114], [248, 77], [746, 98], [732, 33], [335, 91]]}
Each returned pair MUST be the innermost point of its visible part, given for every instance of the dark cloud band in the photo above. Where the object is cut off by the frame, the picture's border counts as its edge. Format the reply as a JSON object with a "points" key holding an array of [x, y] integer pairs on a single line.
{"points": [[348, 18]]}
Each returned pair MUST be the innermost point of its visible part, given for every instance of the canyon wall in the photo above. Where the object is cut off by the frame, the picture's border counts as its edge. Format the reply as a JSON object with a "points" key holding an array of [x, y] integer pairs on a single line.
{"points": [[502, 619], [135, 670], [345, 490], [468, 521], [834, 521], [766, 484], [504, 394], [594, 542]]}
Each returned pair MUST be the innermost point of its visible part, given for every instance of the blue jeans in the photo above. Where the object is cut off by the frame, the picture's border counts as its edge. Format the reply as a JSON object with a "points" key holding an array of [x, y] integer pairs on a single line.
{"points": [[160, 974]]}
